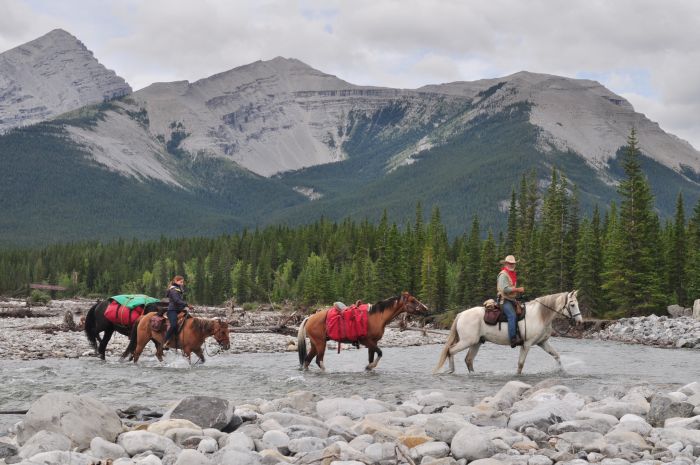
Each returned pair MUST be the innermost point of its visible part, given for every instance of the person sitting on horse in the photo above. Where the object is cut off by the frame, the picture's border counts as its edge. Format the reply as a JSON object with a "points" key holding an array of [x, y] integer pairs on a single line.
{"points": [[176, 304], [507, 295]]}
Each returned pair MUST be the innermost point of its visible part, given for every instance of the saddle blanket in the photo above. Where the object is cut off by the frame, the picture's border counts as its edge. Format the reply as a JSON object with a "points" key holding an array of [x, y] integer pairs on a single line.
{"points": [[121, 314], [347, 325]]}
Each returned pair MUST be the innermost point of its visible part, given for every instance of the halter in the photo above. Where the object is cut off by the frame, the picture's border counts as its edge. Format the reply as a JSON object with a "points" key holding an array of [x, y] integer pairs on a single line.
{"points": [[572, 317]]}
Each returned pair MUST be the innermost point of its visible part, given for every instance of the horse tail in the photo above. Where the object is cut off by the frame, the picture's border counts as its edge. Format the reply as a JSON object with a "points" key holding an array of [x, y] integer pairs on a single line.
{"points": [[451, 340], [91, 325], [301, 342], [133, 338]]}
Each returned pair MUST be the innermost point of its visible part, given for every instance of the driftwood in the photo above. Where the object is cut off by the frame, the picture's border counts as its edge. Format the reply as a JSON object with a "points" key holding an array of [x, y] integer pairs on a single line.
{"points": [[287, 330], [13, 412], [19, 312]]}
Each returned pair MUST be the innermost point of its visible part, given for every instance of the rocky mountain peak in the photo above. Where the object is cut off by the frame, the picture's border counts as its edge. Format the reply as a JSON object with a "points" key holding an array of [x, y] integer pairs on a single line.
{"points": [[50, 75]]}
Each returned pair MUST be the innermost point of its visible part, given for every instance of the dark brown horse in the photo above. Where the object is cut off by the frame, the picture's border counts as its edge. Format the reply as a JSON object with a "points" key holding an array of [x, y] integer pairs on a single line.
{"points": [[190, 338], [96, 323], [379, 315]]}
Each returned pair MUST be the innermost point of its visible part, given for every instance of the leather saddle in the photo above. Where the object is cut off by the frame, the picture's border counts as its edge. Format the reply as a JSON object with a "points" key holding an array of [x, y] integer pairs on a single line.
{"points": [[160, 323], [494, 313]]}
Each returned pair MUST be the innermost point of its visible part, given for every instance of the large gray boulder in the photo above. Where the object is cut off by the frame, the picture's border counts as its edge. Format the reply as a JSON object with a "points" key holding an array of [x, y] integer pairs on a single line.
{"points": [[471, 443], [80, 418], [663, 406], [677, 311], [444, 426], [203, 411]]}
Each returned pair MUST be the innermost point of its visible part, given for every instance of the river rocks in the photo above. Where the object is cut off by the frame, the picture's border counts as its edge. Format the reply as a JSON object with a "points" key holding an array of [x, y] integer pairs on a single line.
{"points": [[545, 424], [80, 418], [203, 411], [60, 458], [664, 406]]}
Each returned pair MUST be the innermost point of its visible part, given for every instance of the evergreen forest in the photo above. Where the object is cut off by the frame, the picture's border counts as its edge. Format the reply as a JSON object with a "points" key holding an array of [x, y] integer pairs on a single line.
{"points": [[622, 258]]}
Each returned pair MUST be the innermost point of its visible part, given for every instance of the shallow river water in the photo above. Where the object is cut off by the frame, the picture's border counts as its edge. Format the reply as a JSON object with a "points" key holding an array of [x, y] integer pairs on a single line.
{"points": [[588, 366]]}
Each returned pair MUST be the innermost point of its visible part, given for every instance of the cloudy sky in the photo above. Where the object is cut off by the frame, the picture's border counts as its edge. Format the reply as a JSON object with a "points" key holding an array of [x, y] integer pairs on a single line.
{"points": [[645, 50]]}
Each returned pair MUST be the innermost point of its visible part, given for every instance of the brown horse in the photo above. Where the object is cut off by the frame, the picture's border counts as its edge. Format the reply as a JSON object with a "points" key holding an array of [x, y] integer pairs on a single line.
{"points": [[190, 338], [379, 315]]}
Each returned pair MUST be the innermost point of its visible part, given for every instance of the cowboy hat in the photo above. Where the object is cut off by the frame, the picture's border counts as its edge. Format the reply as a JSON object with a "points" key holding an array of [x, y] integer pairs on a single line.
{"points": [[509, 259]]}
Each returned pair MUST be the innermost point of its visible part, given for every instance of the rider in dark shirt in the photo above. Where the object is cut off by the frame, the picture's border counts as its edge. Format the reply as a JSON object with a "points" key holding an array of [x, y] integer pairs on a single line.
{"points": [[176, 304]]}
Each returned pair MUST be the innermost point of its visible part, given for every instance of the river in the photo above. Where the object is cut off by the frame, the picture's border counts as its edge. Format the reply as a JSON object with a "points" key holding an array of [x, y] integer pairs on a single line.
{"points": [[588, 367]]}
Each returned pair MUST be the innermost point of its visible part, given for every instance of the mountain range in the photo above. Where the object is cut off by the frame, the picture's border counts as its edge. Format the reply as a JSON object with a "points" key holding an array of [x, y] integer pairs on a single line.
{"points": [[280, 142]]}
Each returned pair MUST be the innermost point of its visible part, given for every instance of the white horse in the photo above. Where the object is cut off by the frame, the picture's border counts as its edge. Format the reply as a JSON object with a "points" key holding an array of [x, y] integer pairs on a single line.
{"points": [[469, 329]]}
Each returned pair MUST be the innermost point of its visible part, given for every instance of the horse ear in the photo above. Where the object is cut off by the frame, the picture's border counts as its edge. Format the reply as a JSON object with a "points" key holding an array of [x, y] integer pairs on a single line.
{"points": [[576, 293]]}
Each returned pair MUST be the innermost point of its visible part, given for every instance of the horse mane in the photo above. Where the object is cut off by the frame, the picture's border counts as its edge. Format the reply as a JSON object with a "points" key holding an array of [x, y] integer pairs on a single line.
{"points": [[202, 325], [383, 304]]}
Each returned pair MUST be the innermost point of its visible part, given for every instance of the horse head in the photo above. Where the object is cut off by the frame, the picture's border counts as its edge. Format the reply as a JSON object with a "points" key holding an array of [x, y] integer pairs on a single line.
{"points": [[571, 307], [220, 333], [412, 305]]}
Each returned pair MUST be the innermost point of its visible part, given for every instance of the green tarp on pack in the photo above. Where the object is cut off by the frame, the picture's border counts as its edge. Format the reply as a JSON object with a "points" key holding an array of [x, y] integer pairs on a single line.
{"points": [[134, 300]]}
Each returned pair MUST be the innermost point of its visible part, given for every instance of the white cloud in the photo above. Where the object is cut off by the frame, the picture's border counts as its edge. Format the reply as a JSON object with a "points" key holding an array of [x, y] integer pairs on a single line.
{"points": [[647, 50]]}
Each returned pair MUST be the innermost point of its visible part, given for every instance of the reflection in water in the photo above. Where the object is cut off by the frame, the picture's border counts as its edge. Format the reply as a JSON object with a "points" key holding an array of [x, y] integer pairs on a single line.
{"points": [[588, 366]]}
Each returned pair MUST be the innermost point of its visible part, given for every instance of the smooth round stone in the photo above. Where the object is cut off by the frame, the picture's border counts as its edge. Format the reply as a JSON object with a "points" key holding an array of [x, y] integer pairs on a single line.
{"points": [[276, 438], [192, 457], [103, 449], [208, 446], [239, 441]]}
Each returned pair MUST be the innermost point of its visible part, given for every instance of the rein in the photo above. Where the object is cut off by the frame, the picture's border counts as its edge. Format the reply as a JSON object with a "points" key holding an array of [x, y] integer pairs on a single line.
{"points": [[560, 312]]}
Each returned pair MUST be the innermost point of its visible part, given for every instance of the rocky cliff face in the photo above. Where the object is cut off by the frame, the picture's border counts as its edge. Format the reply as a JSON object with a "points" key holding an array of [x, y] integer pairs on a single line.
{"points": [[51, 75], [282, 115]]}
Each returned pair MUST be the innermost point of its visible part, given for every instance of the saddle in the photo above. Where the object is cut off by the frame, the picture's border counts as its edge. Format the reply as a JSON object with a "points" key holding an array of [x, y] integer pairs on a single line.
{"points": [[347, 325], [160, 323], [494, 313]]}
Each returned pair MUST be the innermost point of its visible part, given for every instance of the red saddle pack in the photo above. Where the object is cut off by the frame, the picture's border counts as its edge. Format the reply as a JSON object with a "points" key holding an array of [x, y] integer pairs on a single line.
{"points": [[122, 315], [347, 325]]}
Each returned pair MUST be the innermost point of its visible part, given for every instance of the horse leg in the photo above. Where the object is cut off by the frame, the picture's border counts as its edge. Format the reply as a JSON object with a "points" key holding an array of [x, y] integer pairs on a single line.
{"points": [[321, 349], [159, 350], [455, 349], [471, 355], [370, 357], [140, 345], [547, 347], [103, 343], [200, 353], [521, 360], [310, 356], [374, 364]]}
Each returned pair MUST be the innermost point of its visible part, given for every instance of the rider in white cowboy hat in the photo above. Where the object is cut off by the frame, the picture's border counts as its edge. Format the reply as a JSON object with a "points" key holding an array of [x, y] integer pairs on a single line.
{"points": [[507, 293]]}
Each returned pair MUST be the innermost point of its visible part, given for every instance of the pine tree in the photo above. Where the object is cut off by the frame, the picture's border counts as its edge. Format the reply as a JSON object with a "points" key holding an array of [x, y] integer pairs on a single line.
{"points": [[678, 256], [640, 242]]}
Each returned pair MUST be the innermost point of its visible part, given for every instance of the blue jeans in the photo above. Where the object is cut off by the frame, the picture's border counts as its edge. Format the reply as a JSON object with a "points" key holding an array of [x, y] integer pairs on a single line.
{"points": [[172, 318], [509, 310]]}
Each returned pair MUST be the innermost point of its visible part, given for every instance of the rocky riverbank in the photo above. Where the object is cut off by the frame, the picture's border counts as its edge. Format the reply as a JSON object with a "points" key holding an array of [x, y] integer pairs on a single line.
{"points": [[521, 424], [56, 331], [659, 331]]}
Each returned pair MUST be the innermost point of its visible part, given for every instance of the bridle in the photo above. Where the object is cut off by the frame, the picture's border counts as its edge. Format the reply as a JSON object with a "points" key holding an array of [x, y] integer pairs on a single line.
{"points": [[572, 316]]}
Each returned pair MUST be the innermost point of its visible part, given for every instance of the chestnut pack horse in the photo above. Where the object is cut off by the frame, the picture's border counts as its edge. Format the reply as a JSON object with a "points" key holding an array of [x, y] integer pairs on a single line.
{"points": [[190, 338], [470, 331], [379, 315]]}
